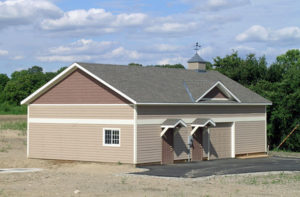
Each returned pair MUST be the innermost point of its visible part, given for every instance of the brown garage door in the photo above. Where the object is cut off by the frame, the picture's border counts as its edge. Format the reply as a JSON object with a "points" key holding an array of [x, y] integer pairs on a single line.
{"points": [[220, 141]]}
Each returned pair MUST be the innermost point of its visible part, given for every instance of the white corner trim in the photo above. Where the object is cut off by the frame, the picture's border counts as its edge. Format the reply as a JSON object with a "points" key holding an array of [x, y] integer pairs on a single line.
{"points": [[175, 125], [27, 147], [135, 135], [223, 86], [66, 72], [81, 121], [233, 140], [103, 137], [266, 139], [208, 144]]}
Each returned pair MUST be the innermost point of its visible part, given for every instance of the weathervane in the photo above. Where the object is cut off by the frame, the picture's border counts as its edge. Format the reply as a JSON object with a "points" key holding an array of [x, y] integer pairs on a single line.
{"points": [[197, 47]]}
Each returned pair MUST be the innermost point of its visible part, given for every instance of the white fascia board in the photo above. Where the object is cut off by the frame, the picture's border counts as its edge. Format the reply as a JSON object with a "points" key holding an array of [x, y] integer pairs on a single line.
{"points": [[65, 72], [203, 125], [164, 131], [223, 86], [193, 104], [195, 129], [173, 126]]}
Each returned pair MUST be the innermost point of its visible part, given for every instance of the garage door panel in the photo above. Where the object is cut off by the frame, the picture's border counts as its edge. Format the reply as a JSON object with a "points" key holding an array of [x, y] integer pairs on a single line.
{"points": [[220, 141], [250, 137]]}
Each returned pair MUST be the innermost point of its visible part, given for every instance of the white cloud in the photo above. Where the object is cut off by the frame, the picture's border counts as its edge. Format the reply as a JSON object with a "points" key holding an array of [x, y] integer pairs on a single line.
{"points": [[254, 33], [88, 50], [259, 33], [171, 27], [97, 19], [166, 48], [64, 58], [206, 51], [23, 12], [215, 5], [82, 46], [3, 52], [243, 48], [173, 60]]}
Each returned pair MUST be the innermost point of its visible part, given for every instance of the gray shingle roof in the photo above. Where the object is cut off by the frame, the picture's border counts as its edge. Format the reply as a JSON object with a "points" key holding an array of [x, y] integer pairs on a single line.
{"points": [[166, 85], [202, 121], [196, 58], [171, 122]]}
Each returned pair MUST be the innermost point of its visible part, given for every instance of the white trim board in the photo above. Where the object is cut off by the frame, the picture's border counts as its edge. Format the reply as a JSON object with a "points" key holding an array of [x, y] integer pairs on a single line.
{"points": [[222, 86], [233, 140], [65, 73], [81, 105], [81, 121], [193, 104], [135, 135], [27, 148], [190, 120]]}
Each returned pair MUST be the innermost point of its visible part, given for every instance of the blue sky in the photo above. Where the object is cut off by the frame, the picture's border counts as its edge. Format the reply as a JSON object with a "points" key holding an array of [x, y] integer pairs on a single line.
{"points": [[55, 33]]}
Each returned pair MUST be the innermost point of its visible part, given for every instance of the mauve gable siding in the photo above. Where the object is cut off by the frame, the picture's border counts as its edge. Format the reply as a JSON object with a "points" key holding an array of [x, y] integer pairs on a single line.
{"points": [[79, 88]]}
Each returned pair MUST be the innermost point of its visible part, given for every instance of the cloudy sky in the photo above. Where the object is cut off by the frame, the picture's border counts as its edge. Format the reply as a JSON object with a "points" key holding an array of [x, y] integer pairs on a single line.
{"points": [[55, 33]]}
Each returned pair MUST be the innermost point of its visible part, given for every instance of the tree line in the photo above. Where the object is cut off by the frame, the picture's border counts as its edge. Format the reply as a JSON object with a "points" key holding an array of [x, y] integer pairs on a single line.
{"points": [[279, 82]]}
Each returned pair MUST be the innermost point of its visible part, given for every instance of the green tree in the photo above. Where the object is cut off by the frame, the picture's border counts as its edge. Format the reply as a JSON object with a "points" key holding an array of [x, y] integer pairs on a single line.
{"points": [[3, 80], [134, 64], [280, 83]]}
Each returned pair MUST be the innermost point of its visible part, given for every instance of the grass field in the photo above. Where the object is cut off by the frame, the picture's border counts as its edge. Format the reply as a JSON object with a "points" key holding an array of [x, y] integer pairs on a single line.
{"points": [[63, 178]]}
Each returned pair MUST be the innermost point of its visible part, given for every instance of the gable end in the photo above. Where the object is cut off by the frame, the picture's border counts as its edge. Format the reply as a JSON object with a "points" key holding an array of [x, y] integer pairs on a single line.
{"points": [[79, 88]]}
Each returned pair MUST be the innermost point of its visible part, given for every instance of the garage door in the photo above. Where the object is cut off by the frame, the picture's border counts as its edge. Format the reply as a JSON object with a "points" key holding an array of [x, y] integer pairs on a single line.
{"points": [[220, 141]]}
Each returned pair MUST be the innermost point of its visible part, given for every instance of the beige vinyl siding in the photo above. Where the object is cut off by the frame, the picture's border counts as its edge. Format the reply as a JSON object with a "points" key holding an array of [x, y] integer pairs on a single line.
{"points": [[148, 135], [148, 143], [79, 142], [156, 112], [249, 137], [82, 111]]}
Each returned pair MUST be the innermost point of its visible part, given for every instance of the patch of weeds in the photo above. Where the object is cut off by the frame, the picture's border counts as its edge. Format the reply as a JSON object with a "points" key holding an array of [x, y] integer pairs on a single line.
{"points": [[124, 180], [15, 125], [119, 163], [251, 181]]}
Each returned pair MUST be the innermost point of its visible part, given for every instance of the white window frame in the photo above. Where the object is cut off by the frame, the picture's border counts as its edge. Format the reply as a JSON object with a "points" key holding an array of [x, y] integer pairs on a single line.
{"points": [[103, 137]]}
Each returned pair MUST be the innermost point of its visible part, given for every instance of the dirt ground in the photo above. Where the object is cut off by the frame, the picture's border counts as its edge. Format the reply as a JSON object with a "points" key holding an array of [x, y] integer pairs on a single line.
{"points": [[97, 179]]}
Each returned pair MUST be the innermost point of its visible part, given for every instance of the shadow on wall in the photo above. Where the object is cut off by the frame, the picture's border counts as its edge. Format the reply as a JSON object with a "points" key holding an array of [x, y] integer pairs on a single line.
{"points": [[180, 145], [212, 150]]}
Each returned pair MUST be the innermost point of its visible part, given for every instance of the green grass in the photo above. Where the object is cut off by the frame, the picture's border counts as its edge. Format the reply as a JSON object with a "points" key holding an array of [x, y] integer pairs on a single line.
{"points": [[14, 125], [7, 109]]}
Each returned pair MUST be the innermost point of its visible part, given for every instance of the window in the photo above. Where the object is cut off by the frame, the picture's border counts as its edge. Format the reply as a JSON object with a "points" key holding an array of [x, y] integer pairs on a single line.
{"points": [[111, 137]]}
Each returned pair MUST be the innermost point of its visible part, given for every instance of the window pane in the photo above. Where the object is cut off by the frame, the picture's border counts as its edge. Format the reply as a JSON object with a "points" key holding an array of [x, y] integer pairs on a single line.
{"points": [[107, 136], [115, 137]]}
